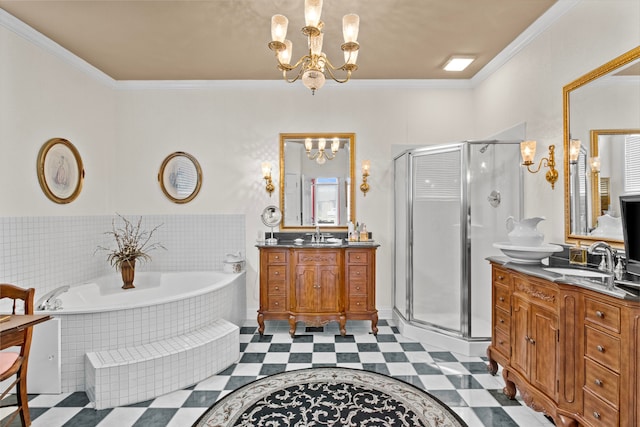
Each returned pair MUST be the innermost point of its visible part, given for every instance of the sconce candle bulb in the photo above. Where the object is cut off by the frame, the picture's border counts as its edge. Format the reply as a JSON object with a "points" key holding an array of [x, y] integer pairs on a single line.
{"points": [[266, 174], [366, 166], [528, 151], [574, 150]]}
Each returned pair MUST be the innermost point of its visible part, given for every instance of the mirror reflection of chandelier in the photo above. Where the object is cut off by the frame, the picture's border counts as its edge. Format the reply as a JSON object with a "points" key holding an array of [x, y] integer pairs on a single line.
{"points": [[321, 156], [314, 66]]}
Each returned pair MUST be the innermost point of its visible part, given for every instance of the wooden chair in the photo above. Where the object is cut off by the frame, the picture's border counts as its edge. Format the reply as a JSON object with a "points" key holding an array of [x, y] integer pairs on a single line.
{"points": [[15, 363]]}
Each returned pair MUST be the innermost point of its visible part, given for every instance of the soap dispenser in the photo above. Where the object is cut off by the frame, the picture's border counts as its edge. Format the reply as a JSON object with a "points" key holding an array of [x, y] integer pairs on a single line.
{"points": [[578, 255]]}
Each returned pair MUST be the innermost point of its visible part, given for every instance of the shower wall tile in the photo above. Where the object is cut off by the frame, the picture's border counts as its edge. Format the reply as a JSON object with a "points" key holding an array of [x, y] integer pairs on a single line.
{"points": [[48, 252]]}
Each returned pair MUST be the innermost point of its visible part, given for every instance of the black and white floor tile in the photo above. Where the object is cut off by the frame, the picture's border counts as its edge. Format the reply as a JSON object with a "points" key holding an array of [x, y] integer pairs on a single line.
{"points": [[459, 381]]}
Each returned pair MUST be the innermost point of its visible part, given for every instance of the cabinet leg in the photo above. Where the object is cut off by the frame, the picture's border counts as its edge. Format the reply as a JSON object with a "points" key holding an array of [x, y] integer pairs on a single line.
{"points": [[261, 323], [509, 389], [292, 326], [374, 324], [343, 325], [563, 421], [492, 367]]}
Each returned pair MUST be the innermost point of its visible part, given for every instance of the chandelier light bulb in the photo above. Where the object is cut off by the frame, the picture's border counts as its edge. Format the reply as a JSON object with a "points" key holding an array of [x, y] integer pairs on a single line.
{"points": [[279, 24], [284, 56], [335, 145], [350, 27], [322, 143], [321, 160], [350, 57], [312, 12]]}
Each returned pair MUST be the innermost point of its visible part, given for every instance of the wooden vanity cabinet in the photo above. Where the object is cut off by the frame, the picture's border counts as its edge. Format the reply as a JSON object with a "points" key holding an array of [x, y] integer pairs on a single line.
{"points": [[317, 286], [571, 352]]}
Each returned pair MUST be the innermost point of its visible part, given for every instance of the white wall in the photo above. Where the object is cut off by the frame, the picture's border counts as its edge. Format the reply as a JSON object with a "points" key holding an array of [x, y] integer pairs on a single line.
{"points": [[529, 89], [124, 134]]}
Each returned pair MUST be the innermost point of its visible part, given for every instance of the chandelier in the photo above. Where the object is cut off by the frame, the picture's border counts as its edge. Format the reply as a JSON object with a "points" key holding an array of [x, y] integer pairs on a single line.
{"points": [[313, 67], [321, 156]]}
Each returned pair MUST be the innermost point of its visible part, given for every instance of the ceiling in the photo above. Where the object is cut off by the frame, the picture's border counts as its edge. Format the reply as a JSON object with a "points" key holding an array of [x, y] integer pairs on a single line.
{"points": [[227, 39]]}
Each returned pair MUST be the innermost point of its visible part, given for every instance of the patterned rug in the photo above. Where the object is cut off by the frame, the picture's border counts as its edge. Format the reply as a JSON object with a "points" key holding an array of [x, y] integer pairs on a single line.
{"points": [[329, 397]]}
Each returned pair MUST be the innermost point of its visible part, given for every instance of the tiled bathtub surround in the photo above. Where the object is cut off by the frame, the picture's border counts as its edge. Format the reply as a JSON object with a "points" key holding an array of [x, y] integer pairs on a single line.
{"points": [[48, 252], [83, 333], [51, 251]]}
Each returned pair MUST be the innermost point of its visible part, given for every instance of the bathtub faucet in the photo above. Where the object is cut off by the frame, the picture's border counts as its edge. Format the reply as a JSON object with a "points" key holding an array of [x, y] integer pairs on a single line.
{"points": [[47, 301]]}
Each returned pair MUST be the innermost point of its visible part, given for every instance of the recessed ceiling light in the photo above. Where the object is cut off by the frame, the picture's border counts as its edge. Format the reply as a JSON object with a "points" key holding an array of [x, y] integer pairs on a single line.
{"points": [[458, 63]]}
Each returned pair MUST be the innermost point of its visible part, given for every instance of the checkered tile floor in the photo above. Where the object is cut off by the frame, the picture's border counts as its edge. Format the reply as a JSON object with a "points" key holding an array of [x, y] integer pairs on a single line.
{"points": [[459, 381]]}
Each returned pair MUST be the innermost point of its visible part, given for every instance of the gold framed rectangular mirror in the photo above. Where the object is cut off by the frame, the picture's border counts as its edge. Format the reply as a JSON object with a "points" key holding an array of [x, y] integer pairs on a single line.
{"points": [[317, 180], [602, 110]]}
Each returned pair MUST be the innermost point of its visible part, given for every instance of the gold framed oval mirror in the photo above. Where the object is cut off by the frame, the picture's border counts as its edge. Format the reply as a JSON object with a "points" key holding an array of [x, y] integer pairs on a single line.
{"points": [[180, 177], [317, 180], [602, 110]]}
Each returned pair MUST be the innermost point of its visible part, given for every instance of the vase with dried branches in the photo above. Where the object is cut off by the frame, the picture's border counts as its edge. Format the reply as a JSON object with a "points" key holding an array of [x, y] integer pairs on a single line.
{"points": [[132, 244]]}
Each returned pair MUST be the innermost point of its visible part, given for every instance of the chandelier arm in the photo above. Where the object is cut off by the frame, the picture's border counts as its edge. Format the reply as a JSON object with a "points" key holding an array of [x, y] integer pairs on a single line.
{"points": [[333, 76], [297, 77]]}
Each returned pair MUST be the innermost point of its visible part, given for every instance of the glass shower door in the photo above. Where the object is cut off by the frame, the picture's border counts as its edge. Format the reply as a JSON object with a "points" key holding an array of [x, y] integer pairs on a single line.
{"points": [[436, 248]]}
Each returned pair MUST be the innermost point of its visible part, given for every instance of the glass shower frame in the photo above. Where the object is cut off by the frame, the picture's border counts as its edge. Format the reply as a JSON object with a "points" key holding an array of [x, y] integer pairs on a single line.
{"points": [[461, 300]]}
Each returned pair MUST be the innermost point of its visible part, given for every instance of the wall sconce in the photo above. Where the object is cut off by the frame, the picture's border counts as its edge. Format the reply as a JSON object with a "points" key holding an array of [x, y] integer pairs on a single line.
{"points": [[266, 174], [366, 166], [528, 150], [574, 150], [594, 163]]}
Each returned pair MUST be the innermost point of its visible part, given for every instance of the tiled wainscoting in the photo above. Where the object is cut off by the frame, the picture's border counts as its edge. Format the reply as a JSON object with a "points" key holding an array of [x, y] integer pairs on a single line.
{"points": [[50, 251]]}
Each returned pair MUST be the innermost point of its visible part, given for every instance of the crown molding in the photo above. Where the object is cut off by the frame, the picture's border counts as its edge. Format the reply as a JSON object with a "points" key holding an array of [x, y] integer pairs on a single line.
{"points": [[36, 38], [527, 36], [531, 33]]}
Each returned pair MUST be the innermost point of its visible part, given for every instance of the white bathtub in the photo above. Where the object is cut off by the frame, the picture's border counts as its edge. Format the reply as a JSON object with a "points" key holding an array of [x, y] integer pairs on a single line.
{"points": [[100, 315], [106, 293]]}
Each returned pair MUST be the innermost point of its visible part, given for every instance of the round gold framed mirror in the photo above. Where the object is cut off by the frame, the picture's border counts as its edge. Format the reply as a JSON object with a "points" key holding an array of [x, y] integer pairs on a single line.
{"points": [[180, 177]]}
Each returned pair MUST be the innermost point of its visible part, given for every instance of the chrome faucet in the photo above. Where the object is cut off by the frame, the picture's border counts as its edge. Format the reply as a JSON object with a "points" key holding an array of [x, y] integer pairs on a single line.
{"points": [[608, 263], [317, 235], [47, 301]]}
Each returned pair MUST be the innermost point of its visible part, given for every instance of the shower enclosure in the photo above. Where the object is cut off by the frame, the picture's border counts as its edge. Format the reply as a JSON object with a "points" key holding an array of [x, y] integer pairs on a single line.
{"points": [[451, 204]]}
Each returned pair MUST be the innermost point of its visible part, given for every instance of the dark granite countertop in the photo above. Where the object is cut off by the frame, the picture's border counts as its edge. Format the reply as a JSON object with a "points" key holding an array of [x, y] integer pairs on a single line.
{"points": [[605, 286]]}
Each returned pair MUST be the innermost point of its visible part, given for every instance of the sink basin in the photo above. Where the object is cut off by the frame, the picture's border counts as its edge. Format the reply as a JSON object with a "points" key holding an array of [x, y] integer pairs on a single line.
{"points": [[577, 272]]}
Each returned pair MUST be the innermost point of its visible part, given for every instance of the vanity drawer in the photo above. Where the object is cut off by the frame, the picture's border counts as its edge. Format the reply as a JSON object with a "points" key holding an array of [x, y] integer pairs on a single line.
{"points": [[502, 297], [357, 287], [277, 257], [277, 303], [501, 276], [357, 257], [602, 314], [503, 320], [537, 292], [357, 272], [602, 382], [598, 413], [501, 342], [357, 303], [277, 272], [277, 287], [602, 348], [317, 257]]}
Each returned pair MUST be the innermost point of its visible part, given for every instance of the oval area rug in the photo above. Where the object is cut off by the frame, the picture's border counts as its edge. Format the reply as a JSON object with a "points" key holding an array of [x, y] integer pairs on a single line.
{"points": [[329, 397]]}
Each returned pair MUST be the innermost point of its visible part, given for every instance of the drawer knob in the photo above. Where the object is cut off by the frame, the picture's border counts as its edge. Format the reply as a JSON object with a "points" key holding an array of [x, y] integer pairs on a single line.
{"points": [[358, 303], [598, 382], [276, 257], [357, 256], [357, 273], [277, 288], [277, 273], [500, 342], [596, 415], [501, 320], [600, 314], [600, 349], [357, 288], [501, 277], [501, 299], [276, 303]]}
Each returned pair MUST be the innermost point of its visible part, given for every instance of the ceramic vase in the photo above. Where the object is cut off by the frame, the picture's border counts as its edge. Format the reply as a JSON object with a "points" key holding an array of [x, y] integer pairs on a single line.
{"points": [[128, 270]]}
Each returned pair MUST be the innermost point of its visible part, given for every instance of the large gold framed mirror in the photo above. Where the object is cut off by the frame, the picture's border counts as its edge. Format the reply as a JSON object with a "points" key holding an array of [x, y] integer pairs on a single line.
{"points": [[317, 180], [602, 110]]}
